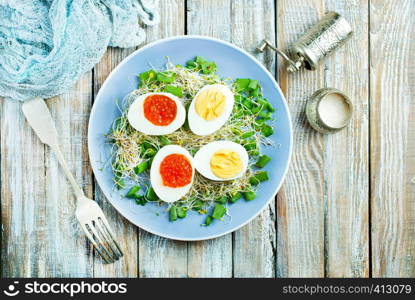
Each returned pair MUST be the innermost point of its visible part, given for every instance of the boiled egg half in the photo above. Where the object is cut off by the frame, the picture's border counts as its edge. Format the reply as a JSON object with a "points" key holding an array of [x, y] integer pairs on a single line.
{"points": [[172, 173], [210, 109], [221, 160], [156, 113]]}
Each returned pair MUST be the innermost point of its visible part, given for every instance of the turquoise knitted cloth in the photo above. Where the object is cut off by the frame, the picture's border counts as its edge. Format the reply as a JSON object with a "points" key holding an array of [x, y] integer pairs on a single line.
{"points": [[45, 45]]}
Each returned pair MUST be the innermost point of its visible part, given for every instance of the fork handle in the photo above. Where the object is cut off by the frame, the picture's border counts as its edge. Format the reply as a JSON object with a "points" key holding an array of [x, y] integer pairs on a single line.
{"points": [[78, 191], [38, 116]]}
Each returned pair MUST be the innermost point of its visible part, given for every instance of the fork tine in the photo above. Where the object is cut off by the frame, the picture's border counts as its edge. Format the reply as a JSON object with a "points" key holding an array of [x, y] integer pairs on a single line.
{"points": [[96, 246], [110, 236], [107, 239], [100, 242]]}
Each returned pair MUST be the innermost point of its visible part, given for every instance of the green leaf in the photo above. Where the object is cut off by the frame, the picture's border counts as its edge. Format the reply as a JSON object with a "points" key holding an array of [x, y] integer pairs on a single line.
{"points": [[147, 76], [270, 107], [262, 102], [201, 64], [164, 140], [141, 200], [191, 64], [150, 152], [197, 205], [218, 212], [263, 161], [265, 115], [208, 68], [141, 167], [235, 197], [175, 90], [255, 92], [247, 134], [173, 213], [253, 180], [222, 200], [247, 103], [208, 220], [241, 84], [151, 195], [262, 176], [200, 60], [147, 144], [120, 183], [253, 84], [254, 153], [132, 193], [166, 76], [250, 146], [181, 212], [267, 130], [249, 196]]}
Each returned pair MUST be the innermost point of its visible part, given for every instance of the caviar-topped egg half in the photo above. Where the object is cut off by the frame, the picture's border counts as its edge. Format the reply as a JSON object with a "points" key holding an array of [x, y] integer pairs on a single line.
{"points": [[156, 113], [210, 109], [221, 161], [172, 173]]}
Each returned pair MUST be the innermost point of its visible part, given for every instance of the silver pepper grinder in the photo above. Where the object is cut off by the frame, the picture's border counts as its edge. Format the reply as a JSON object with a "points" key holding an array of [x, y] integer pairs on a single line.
{"points": [[316, 44]]}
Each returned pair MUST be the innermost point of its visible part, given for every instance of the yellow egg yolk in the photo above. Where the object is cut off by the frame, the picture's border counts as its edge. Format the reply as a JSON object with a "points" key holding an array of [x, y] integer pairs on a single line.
{"points": [[210, 104], [226, 164]]}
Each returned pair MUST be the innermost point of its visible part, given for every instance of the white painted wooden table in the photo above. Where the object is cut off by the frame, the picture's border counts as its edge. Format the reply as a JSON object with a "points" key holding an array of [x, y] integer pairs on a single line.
{"points": [[347, 207]]}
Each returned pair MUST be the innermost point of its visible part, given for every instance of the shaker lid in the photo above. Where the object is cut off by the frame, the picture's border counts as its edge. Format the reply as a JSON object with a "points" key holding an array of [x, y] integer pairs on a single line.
{"points": [[329, 110]]}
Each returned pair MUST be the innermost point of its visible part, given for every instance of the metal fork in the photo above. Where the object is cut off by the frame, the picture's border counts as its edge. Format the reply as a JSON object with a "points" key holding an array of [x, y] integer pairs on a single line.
{"points": [[88, 213]]}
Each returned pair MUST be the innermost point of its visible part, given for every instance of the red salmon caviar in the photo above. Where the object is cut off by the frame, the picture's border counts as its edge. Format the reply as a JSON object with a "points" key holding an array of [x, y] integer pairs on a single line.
{"points": [[176, 171], [160, 109]]}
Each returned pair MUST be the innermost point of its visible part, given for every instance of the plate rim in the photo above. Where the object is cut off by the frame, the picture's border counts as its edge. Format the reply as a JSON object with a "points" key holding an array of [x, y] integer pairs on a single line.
{"points": [[268, 73]]}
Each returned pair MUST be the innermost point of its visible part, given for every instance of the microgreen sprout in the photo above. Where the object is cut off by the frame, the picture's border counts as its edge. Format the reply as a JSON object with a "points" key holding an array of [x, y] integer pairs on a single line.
{"points": [[132, 151]]}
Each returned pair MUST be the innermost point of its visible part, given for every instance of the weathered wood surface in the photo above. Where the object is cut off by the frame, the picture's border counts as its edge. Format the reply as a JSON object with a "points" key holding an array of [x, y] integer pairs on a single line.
{"points": [[322, 210], [68, 254], [22, 196], [212, 258], [300, 204], [319, 225], [40, 236], [254, 244], [346, 162], [160, 257], [392, 128], [125, 232]]}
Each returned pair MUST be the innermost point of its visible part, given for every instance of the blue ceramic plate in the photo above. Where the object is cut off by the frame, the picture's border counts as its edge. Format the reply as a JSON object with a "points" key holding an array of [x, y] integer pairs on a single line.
{"points": [[232, 62]]}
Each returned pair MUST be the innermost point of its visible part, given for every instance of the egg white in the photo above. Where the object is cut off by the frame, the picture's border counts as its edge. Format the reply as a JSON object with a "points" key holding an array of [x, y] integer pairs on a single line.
{"points": [[137, 119], [203, 156], [165, 193], [200, 126]]}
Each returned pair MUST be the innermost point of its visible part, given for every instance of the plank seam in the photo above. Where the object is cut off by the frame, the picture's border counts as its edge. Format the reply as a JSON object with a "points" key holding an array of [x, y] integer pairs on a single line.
{"points": [[1, 201], [93, 175], [276, 76], [185, 29], [185, 17], [370, 147]]}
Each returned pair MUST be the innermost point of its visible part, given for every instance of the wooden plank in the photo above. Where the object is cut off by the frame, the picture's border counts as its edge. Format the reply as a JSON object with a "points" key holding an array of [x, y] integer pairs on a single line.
{"points": [[160, 257], [41, 217], [68, 254], [23, 217], [300, 203], [254, 244], [211, 258], [125, 232], [346, 160], [392, 129]]}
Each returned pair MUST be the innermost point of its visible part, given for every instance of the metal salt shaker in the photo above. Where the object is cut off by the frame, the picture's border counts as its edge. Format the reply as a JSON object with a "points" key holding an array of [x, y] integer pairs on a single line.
{"points": [[313, 112], [316, 44]]}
